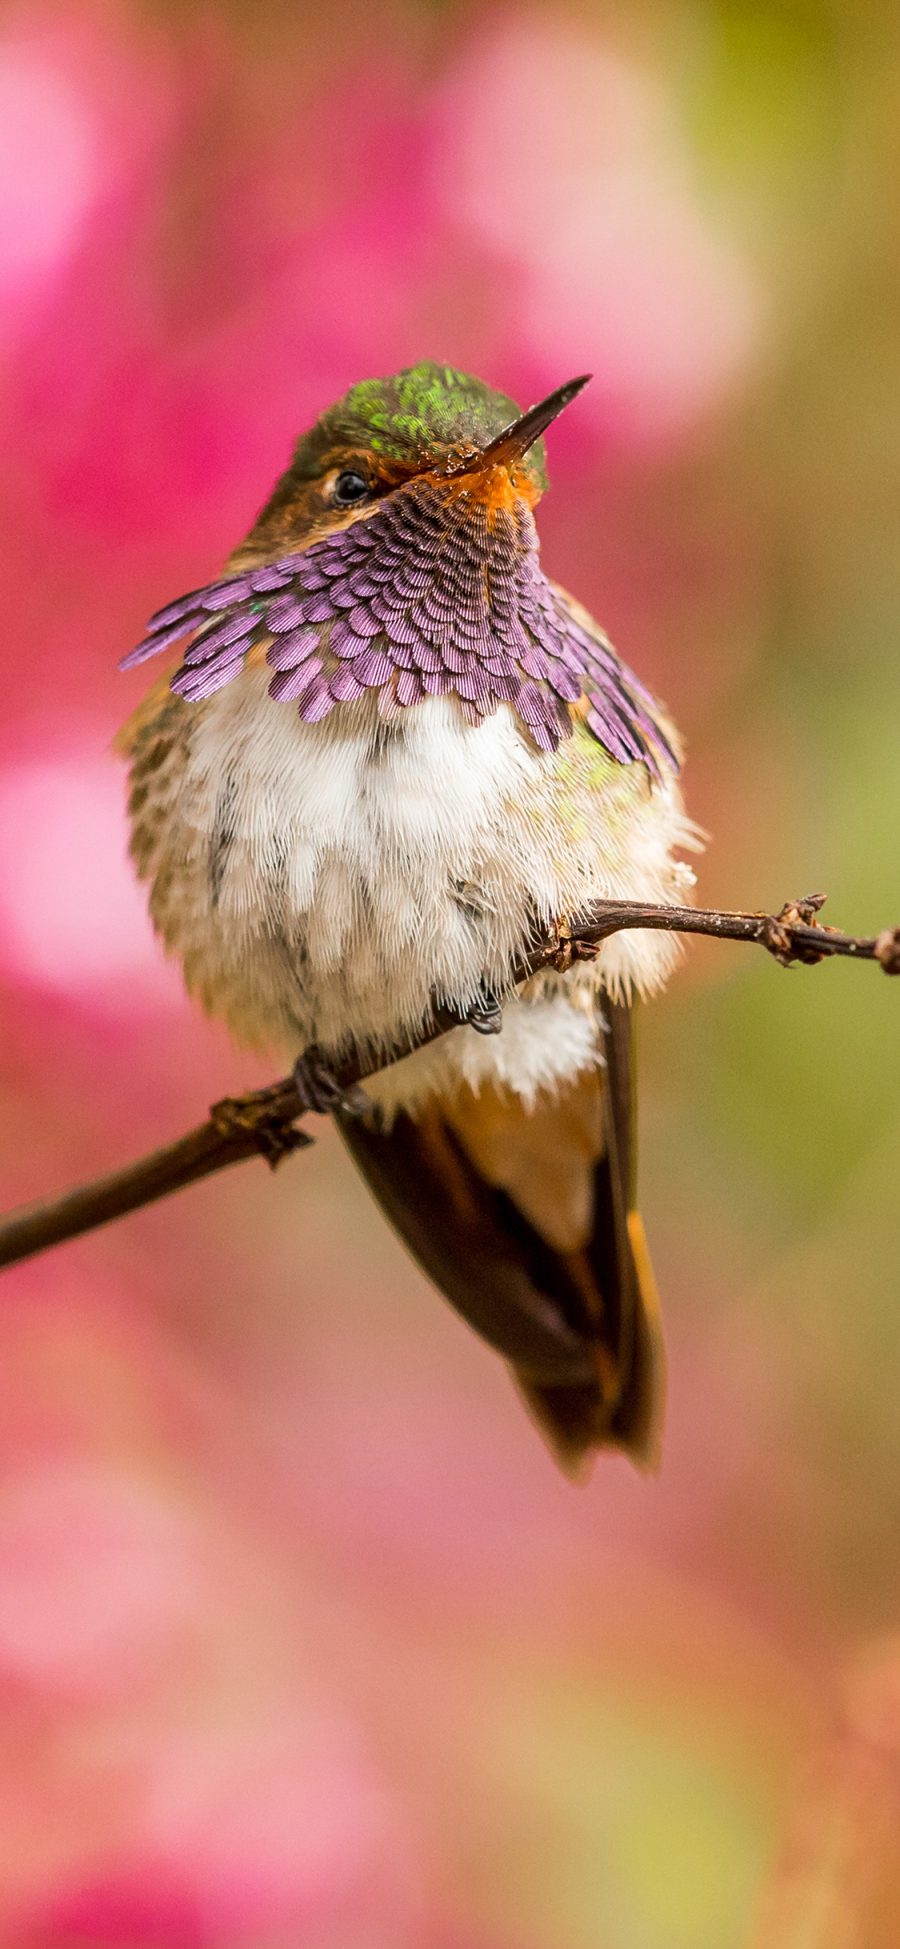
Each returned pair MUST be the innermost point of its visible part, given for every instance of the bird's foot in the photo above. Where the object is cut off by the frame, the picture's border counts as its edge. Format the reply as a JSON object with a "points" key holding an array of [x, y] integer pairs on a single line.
{"points": [[486, 1014], [264, 1118], [321, 1093]]}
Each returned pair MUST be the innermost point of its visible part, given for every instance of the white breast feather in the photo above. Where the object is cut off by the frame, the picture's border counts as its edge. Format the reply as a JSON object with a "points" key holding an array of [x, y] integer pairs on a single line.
{"points": [[322, 882]]}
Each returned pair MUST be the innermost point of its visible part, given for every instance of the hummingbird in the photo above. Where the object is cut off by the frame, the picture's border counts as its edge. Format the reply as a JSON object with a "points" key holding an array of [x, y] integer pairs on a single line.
{"points": [[393, 754]]}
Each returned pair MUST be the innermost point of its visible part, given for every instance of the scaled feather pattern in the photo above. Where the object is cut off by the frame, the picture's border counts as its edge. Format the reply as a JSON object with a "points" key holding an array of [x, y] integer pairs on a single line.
{"points": [[433, 594]]}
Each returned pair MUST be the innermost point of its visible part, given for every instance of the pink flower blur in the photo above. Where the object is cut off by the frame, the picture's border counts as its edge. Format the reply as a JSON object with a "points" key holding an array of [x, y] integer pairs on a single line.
{"points": [[72, 918], [84, 107], [98, 1579], [49, 170], [299, 1629], [612, 265]]}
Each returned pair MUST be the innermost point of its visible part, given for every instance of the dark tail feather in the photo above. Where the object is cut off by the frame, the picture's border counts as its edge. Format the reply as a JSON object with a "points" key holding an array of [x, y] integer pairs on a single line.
{"points": [[623, 1404], [577, 1318]]}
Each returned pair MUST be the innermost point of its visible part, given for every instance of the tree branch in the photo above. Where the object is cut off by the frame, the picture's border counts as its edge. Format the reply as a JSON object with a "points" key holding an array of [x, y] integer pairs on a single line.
{"points": [[265, 1122]]}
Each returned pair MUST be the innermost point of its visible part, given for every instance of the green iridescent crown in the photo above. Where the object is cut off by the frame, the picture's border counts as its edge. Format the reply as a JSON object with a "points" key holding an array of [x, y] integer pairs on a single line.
{"points": [[406, 416]]}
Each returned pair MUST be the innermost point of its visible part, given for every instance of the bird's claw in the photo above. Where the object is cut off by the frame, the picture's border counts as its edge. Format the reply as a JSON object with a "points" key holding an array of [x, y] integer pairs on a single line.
{"points": [[322, 1094], [485, 1015]]}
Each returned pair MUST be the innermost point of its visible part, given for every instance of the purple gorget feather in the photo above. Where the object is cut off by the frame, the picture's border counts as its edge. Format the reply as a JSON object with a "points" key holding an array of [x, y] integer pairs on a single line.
{"points": [[433, 594]]}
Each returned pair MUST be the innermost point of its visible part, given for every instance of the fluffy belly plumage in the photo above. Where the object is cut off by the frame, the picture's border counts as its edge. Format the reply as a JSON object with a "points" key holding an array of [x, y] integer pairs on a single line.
{"points": [[322, 883]]}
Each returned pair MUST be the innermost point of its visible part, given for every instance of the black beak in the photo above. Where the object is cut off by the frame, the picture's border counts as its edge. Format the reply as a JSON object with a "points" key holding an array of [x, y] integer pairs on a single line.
{"points": [[521, 434]]}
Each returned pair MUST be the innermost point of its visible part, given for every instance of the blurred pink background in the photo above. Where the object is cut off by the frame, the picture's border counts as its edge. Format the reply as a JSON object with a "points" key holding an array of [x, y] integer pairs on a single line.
{"points": [[302, 1639]]}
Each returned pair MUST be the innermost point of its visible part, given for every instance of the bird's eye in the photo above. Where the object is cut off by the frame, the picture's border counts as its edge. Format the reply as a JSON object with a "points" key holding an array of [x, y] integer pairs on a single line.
{"points": [[350, 488]]}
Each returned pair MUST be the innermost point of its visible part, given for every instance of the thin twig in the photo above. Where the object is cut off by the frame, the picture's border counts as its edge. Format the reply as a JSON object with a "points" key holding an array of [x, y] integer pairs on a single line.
{"points": [[265, 1122]]}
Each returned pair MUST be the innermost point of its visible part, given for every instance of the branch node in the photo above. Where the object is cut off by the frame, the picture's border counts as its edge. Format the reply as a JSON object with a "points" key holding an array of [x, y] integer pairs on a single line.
{"points": [[887, 950], [806, 909], [775, 934], [565, 948], [272, 1129], [779, 931]]}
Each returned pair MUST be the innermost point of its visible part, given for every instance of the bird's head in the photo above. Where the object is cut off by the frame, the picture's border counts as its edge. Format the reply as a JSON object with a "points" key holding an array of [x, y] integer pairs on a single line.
{"points": [[428, 422], [398, 556]]}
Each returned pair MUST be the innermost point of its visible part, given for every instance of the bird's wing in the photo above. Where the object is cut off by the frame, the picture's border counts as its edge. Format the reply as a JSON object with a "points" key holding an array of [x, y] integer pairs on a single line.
{"points": [[615, 706], [526, 1222]]}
